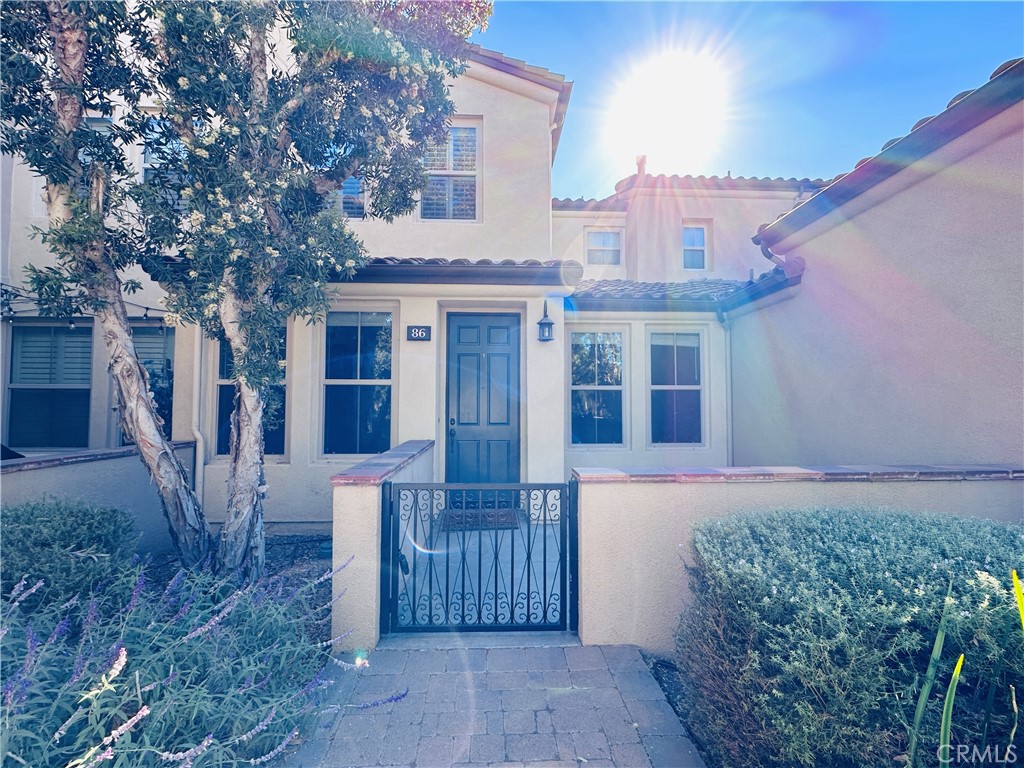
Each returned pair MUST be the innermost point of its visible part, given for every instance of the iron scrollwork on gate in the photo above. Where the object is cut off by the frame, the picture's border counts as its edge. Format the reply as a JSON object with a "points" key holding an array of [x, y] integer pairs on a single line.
{"points": [[481, 557]]}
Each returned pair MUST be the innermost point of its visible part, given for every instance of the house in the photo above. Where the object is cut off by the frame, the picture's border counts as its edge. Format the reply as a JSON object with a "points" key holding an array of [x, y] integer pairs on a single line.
{"points": [[907, 343], [878, 320]]}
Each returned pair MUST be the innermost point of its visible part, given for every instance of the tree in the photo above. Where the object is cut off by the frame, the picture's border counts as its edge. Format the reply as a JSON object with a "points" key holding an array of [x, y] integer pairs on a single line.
{"points": [[63, 63], [266, 110]]}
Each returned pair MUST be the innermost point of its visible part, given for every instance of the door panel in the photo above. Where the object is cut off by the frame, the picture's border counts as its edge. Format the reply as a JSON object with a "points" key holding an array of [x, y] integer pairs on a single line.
{"points": [[482, 415]]}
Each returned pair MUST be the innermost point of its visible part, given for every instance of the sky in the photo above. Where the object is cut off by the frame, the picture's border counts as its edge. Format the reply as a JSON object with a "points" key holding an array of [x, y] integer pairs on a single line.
{"points": [[792, 89]]}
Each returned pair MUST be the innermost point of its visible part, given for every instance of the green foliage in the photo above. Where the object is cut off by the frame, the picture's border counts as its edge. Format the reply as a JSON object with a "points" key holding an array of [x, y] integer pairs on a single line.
{"points": [[251, 153], [810, 633], [72, 546], [198, 674], [76, 137]]}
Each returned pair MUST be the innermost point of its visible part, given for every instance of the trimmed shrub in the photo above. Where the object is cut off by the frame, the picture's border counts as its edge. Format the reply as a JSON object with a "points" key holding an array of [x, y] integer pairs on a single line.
{"points": [[71, 545], [201, 673], [810, 635]]}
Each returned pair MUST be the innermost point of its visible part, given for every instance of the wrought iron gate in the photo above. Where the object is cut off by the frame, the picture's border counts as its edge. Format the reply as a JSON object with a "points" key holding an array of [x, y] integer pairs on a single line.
{"points": [[477, 557]]}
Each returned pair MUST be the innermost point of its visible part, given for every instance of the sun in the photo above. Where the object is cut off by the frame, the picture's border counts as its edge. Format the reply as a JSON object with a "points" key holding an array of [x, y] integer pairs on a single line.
{"points": [[672, 107]]}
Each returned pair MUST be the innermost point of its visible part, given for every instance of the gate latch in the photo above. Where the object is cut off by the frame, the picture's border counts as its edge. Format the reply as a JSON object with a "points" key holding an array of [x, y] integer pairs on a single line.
{"points": [[403, 563]]}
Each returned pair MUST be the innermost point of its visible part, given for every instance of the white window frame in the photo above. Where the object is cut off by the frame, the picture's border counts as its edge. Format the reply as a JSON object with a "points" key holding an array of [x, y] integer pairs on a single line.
{"points": [[705, 225], [323, 382], [620, 231], [702, 386], [624, 332], [450, 173]]}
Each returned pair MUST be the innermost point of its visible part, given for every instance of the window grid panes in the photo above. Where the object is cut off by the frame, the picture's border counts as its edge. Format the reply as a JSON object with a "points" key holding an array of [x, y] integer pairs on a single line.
{"points": [[50, 378], [596, 388], [452, 188], [357, 383], [676, 388], [273, 427], [604, 247], [694, 248]]}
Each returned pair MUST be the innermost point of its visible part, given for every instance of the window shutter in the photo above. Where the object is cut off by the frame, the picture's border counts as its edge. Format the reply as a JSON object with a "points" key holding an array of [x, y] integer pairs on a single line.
{"points": [[51, 355]]}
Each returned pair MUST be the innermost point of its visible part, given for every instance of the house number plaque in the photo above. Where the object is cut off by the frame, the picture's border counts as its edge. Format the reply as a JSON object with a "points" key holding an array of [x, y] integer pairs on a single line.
{"points": [[417, 333]]}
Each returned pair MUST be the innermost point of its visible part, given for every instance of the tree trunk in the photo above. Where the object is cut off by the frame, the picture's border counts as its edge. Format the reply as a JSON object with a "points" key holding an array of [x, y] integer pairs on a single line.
{"points": [[138, 411], [242, 538], [141, 423]]}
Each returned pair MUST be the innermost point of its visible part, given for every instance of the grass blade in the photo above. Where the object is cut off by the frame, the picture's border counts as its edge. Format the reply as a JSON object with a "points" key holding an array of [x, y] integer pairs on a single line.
{"points": [[929, 679], [947, 710]]}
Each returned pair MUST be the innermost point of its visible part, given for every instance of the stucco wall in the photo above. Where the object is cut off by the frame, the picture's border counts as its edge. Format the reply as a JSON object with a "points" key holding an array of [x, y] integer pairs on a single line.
{"points": [[906, 341], [635, 533], [114, 478], [656, 219], [569, 240], [513, 118], [356, 535], [299, 490]]}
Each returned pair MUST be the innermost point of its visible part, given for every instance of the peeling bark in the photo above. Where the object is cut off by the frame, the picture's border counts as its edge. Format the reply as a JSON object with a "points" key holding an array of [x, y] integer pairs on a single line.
{"points": [[138, 411], [241, 548]]}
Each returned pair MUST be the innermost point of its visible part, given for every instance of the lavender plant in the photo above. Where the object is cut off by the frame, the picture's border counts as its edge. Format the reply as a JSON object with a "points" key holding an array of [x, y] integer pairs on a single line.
{"points": [[200, 673]]}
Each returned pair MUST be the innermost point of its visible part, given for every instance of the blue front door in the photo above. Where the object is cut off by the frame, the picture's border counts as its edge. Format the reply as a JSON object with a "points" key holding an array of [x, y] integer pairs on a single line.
{"points": [[482, 418]]}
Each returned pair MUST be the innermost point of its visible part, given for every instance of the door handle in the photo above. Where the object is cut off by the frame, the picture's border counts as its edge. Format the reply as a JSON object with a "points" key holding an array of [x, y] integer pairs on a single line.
{"points": [[451, 439]]}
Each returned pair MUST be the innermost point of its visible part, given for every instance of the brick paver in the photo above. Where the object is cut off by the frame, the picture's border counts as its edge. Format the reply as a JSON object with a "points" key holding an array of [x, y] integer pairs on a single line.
{"points": [[541, 704]]}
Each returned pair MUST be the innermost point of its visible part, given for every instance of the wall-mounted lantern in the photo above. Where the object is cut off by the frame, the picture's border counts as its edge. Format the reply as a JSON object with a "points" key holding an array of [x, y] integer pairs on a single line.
{"points": [[545, 326]]}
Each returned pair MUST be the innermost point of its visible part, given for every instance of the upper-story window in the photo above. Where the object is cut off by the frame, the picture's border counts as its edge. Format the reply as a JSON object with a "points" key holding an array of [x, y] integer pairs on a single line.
{"points": [[51, 375], [604, 246], [353, 198], [695, 246], [451, 192]]}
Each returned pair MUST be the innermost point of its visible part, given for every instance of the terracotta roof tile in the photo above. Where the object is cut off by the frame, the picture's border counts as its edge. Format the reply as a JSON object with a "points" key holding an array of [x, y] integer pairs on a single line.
{"points": [[702, 295], [718, 183], [630, 290], [813, 207], [579, 204]]}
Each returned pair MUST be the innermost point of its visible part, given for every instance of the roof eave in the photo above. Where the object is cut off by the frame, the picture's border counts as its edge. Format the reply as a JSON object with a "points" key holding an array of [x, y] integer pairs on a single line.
{"points": [[776, 281], [992, 98], [564, 274]]}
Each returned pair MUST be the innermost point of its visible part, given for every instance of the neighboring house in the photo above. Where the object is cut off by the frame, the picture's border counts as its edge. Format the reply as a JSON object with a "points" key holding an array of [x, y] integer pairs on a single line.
{"points": [[673, 340]]}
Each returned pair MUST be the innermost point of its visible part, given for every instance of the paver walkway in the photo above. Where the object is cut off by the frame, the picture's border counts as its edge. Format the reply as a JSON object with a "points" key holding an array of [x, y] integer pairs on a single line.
{"points": [[542, 700]]}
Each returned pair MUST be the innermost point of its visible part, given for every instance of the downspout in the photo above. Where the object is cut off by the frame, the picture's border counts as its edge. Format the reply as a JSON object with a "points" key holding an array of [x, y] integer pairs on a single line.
{"points": [[199, 473], [727, 326]]}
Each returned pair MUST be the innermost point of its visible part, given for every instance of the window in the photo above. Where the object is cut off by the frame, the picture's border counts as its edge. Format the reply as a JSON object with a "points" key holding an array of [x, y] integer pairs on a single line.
{"points": [[51, 374], [675, 388], [273, 427], [357, 382], [596, 388], [162, 153], [451, 190], [604, 246], [101, 127], [695, 249], [155, 347], [353, 198]]}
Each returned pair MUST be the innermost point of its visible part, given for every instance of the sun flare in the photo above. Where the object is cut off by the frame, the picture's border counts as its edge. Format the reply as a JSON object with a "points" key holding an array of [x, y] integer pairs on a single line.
{"points": [[672, 107]]}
